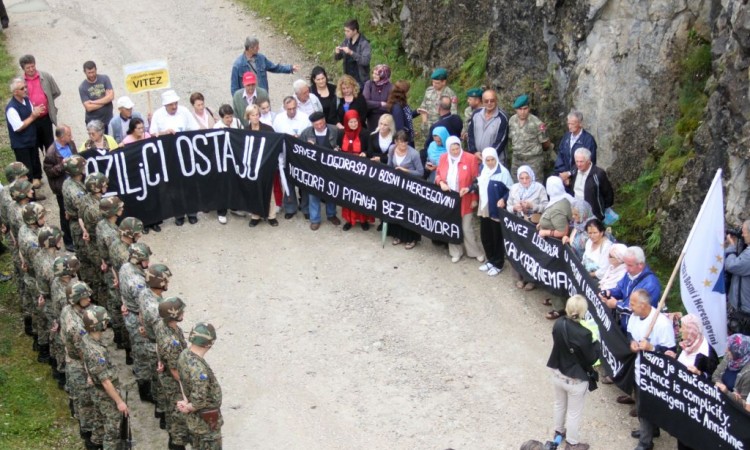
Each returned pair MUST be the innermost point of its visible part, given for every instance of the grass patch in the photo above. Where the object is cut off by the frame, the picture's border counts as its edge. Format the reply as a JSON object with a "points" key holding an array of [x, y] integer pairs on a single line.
{"points": [[33, 411]]}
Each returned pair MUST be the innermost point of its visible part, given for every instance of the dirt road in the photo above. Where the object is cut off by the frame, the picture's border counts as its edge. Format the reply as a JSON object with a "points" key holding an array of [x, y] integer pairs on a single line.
{"points": [[326, 339]]}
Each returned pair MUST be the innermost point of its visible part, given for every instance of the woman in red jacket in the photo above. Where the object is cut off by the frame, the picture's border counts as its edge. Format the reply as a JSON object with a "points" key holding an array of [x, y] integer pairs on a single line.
{"points": [[457, 171], [354, 140]]}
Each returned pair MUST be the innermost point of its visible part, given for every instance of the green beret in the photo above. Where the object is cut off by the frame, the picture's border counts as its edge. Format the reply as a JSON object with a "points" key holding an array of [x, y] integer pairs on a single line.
{"points": [[439, 74], [521, 101], [474, 92]]}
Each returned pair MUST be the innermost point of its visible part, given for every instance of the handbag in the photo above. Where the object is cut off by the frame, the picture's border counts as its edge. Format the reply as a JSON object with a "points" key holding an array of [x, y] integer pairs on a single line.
{"points": [[592, 374]]}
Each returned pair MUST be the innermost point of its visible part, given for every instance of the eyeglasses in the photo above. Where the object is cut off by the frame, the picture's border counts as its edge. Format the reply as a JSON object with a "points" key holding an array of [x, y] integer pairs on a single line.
{"points": [[489, 100]]}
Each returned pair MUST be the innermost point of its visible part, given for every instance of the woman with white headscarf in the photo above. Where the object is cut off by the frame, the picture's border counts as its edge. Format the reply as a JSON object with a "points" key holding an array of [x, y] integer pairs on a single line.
{"points": [[456, 171], [493, 185], [615, 271], [555, 223]]}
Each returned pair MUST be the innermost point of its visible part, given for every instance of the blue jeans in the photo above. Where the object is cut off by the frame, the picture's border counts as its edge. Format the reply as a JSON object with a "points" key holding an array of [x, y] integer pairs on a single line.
{"points": [[290, 201], [314, 206]]}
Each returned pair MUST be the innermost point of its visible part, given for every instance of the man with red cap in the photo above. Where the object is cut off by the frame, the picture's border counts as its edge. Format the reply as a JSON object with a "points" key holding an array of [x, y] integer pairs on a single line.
{"points": [[250, 94]]}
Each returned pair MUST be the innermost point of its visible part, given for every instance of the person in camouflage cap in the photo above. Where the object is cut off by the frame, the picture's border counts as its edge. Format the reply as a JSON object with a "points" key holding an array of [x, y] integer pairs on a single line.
{"points": [[170, 342], [73, 191], [78, 297], [132, 282], [49, 240], [111, 209], [108, 402], [157, 280], [89, 215], [64, 269], [202, 403], [33, 215]]}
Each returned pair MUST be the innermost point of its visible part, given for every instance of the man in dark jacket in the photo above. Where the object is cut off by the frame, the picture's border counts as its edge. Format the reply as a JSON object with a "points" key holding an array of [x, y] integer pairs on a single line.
{"points": [[575, 138], [356, 53], [62, 147], [324, 135], [451, 122], [590, 183]]}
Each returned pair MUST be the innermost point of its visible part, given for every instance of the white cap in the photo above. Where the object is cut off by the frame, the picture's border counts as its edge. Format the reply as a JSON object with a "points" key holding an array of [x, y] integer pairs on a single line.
{"points": [[125, 102], [168, 97]]}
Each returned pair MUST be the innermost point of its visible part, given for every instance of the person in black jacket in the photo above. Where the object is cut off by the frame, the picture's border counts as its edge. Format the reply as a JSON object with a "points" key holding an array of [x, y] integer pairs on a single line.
{"points": [[569, 370], [590, 183], [356, 53]]}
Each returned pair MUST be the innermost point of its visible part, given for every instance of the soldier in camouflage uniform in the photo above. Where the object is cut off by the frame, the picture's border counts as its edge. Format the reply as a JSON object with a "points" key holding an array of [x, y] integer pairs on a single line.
{"points": [[50, 243], [132, 277], [170, 342], [21, 191], [130, 230], [474, 102], [72, 332], [157, 280], [528, 136], [89, 215], [64, 269], [28, 243], [429, 107], [73, 191], [106, 234], [203, 393], [108, 403], [13, 171]]}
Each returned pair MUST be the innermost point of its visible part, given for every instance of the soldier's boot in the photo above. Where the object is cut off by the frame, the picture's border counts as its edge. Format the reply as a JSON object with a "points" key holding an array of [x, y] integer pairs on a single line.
{"points": [[128, 357], [173, 446], [144, 391], [27, 328], [44, 355]]}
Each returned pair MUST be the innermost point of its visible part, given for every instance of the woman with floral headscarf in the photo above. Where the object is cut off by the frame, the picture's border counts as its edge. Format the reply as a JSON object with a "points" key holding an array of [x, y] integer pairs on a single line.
{"points": [[456, 172], [696, 353], [732, 377], [582, 213], [354, 141], [376, 92], [615, 271]]}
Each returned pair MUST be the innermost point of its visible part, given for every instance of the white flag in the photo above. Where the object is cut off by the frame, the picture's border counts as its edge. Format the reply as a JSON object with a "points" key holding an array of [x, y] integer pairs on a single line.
{"points": [[702, 270]]}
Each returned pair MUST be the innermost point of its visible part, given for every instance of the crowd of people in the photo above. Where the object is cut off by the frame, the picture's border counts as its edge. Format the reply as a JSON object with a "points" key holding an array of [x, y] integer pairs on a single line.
{"points": [[366, 115]]}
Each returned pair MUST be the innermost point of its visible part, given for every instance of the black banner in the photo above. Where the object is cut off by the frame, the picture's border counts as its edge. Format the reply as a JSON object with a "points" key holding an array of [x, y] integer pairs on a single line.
{"points": [[375, 189], [189, 172], [555, 267], [690, 407]]}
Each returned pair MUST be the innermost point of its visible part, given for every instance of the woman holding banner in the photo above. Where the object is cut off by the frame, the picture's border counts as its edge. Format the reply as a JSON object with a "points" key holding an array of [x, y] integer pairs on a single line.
{"points": [[573, 353], [527, 199], [555, 223], [493, 185], [732, 377], [457, 171], [354, 140], [404, 158]]}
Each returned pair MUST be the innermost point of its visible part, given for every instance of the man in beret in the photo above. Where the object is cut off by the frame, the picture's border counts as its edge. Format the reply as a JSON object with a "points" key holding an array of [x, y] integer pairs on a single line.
{"points": [[474, 102], [323, 135], [528, 134], [429, 107]]}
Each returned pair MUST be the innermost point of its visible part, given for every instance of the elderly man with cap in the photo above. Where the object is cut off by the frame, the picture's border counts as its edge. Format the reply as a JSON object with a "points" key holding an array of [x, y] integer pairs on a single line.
{"points": [[118, 126], [250, 94], [429, 107], [528, 134], [474, 102], [323, 135], [257, 64], [170, 119]]}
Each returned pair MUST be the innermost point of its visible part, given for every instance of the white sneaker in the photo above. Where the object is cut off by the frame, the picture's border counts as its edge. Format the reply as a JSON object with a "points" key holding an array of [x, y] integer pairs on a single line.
{"points": [[223, 220], [238, 213], [485, 267], [481, 258], [494, 271], [455, 259]]}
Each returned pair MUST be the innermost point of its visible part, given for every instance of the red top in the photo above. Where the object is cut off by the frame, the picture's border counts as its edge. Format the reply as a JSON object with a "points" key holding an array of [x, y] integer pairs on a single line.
{"points": [[351, 142], [468, 170], [36, 93]]}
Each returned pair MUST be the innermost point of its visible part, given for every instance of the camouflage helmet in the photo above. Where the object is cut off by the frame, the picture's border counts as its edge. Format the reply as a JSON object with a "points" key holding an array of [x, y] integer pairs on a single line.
{"points": [[170, 308], [203, 334], [33, 213], [19, 190], [95, 318], [74, 165], [130, 226], [138, 252], [157, 276], [95, 182], [14, 170], [77, 291], [110, 206], [49, 236], [66, 265]]}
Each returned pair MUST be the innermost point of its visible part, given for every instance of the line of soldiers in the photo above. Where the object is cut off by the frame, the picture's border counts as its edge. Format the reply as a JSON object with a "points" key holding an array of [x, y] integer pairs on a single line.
{"points": [[69, 301]]}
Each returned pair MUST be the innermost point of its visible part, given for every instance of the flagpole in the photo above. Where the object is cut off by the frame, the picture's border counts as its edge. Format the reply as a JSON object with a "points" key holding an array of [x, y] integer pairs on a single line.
{"points": [[663, 299]]}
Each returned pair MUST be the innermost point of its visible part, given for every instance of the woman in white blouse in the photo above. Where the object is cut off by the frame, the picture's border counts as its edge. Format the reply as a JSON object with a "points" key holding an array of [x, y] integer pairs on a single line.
{"points": [[596, 255]]}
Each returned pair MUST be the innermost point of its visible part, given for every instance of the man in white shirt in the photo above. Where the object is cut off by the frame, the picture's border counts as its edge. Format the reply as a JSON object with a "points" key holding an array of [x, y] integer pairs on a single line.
{"points": [[293, 122], [306, 103], [660, 340], [170, 119]]}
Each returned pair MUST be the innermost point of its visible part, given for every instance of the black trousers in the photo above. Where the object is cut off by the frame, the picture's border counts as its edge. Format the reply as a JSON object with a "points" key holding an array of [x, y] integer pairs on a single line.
{"points": [[64, 223], [491, 235], [44, 134], [30, 158]]}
